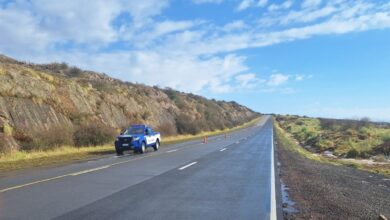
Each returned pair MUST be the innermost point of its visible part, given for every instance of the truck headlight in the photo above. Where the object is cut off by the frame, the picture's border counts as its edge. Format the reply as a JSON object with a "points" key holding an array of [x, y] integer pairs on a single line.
{"points": [[136, 139]]}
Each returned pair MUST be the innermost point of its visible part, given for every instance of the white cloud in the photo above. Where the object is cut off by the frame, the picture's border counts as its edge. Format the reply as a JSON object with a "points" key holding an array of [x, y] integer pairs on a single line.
{"points": [[299, 77], [310, 3], [244, 4], [277, 79], [307, 16], [285, 5], [248, 80], [62, 22], [262, 3], [234, 26]]}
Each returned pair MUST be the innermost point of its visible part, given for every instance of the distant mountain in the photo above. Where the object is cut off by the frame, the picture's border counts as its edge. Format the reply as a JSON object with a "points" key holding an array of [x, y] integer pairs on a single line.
{"points": [[42, 106]]}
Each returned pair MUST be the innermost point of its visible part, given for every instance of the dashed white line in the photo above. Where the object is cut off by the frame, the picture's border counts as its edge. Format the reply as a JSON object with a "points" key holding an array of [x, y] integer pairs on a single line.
{"points": [[171, 151], [188, 165], [223, 149], [90, 170]]}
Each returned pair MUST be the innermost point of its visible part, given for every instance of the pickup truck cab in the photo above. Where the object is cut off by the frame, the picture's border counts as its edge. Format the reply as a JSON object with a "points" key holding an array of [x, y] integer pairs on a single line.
{"points": [[137, 138]]}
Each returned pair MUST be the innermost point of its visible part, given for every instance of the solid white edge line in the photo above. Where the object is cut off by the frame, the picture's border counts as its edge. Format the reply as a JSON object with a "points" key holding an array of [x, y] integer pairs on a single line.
{"points": [[188, 165], [273, 194], [223, 149]]}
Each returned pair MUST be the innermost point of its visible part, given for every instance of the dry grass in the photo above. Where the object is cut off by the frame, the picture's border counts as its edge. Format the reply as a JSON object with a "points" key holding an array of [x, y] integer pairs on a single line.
{"points": [[25, 159], [62, 155]]}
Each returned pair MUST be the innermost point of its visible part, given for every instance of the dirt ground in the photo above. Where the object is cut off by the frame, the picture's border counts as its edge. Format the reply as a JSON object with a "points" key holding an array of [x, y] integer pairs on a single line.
{"points": [[324, 191]]}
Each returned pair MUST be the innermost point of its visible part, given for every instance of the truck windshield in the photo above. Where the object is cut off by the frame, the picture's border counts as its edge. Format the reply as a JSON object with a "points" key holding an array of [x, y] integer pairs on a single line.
{"points": [[135, 130]]}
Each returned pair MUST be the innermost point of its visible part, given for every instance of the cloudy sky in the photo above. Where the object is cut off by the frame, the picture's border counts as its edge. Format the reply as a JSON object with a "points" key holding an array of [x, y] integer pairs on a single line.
{"points": [[310, 57]]}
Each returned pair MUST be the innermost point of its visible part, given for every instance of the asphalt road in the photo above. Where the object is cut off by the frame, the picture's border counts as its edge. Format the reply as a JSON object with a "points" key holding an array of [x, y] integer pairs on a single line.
{"points": [[228, 178]]}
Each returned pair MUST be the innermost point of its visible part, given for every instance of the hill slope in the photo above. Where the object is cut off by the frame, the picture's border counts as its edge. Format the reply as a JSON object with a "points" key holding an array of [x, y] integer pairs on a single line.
{"points": [[42, 106]]}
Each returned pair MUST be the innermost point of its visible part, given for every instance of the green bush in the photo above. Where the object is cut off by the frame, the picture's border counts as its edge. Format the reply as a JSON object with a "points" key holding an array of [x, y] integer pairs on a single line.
{"points": [[93, 135], [353, 153], [386, 138], [364, 155]]}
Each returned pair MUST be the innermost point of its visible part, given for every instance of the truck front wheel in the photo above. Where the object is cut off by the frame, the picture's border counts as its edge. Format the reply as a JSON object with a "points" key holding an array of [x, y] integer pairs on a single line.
{"points": [[119, 152], [143, 148]]}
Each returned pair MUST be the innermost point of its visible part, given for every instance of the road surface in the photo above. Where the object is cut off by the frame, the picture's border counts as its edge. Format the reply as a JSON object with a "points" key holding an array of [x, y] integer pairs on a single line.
{"points": [[227, 178]]}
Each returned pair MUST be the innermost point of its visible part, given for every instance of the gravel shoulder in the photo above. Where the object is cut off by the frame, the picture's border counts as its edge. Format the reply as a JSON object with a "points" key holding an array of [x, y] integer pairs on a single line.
{"points": [[326, 191]]}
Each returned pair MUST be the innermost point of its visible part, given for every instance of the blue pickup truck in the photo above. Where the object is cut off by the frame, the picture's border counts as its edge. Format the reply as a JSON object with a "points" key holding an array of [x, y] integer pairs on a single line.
{"points": [[137, 138]]}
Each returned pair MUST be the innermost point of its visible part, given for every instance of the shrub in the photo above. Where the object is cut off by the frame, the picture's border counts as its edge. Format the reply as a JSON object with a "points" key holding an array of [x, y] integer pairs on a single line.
{"points": [[146, 115], [353, 153], [55, 67], [23, 139], [364, 155], [74, 72], [53, 137], [93, 135], [167, 129], [185, 125], [44, 140], [7, 129], [385, 138]]}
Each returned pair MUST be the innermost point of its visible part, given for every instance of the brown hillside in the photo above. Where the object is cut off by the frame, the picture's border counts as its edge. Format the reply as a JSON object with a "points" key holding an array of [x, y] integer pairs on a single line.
{"points": [[40, 102]]}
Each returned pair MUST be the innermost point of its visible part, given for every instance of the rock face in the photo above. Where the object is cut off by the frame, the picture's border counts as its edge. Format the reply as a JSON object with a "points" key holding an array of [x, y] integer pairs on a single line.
{"points": [[37, 98]]}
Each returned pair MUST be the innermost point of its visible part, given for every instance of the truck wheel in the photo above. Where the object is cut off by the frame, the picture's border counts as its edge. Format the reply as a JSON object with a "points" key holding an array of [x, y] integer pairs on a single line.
{"points": [[119, 152], [157, 145], [143, 148]]}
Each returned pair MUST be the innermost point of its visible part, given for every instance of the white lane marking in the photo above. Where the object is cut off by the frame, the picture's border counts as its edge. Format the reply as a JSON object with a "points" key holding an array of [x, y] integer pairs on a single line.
{"points": [[90, 170], [273, 194], [223, 149], [69, 174], [188, 165], [237, 142], [170, 151]]}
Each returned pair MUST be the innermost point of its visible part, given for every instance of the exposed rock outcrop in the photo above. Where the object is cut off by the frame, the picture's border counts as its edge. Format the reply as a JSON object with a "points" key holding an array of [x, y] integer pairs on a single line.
{"points": [[37, 98]]}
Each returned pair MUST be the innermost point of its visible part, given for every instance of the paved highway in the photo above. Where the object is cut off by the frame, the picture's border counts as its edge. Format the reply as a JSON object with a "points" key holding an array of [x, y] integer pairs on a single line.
{"points": [[228, 178]]}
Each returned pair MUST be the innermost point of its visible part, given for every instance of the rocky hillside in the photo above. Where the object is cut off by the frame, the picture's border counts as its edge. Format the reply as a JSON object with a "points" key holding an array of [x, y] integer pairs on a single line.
{"points": [[43, 106]]}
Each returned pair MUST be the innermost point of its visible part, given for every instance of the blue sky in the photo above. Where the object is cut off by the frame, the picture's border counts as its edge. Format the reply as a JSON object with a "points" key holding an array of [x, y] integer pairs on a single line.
{"points": [[308, 57]]}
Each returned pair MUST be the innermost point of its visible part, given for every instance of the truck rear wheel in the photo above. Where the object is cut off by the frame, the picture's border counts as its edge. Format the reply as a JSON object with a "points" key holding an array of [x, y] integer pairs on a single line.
{"points": [[157, 145]]}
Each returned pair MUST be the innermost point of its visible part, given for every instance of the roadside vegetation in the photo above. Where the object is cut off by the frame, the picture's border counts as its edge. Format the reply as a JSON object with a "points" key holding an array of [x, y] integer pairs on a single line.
{"points": [[360, 144], [61, 152]]}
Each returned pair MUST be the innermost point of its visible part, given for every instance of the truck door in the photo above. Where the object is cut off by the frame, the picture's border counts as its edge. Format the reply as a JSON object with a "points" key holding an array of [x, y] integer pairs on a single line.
{"points": [[149, 136]]}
